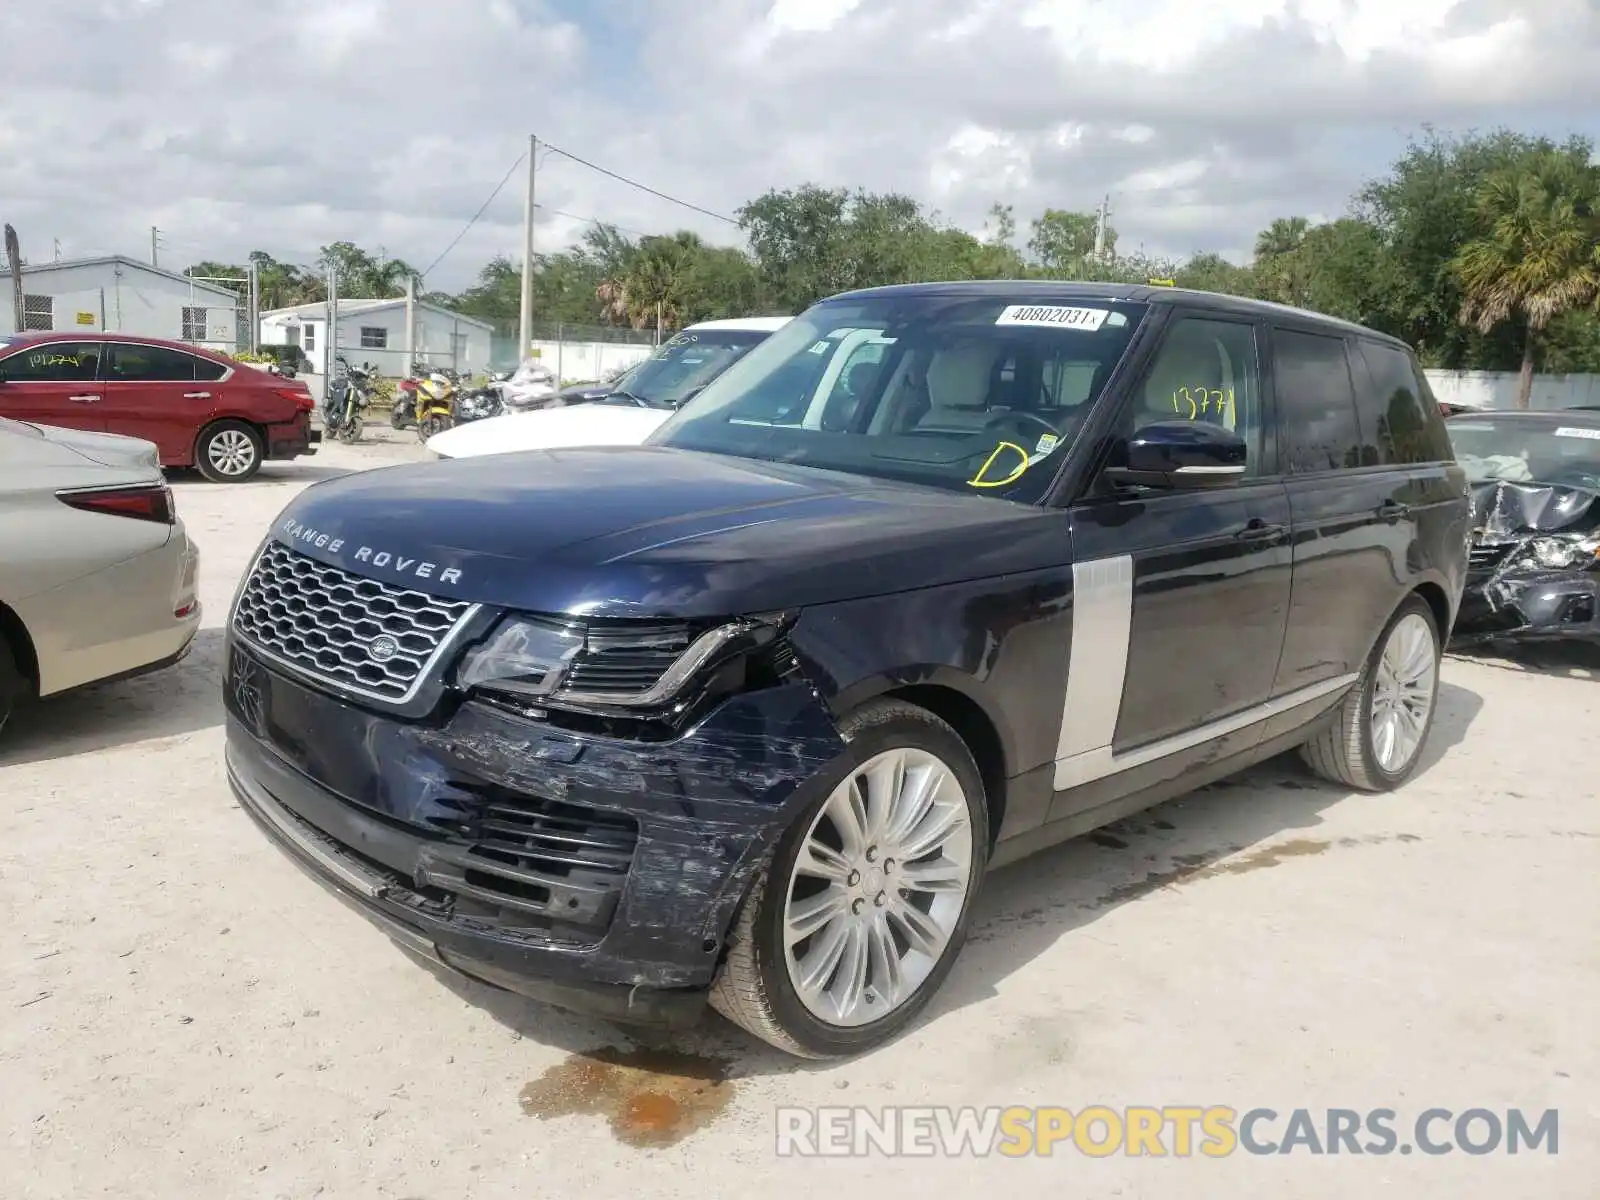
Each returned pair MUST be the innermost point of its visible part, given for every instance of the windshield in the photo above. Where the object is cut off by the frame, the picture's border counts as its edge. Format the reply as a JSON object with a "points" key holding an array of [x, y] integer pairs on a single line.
{"points": [[1526, 452], [948, 389], [687, 361]]}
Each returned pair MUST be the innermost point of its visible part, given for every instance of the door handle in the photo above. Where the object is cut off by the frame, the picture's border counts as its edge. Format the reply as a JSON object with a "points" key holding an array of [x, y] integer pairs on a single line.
{"points": [[197, 395], [1257, 530], [84, 399], [1393, 511]]}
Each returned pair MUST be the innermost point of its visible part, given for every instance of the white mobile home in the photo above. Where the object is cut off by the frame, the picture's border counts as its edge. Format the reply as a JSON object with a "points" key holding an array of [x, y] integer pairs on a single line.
{"points": [[375, 331], [123, 295]]}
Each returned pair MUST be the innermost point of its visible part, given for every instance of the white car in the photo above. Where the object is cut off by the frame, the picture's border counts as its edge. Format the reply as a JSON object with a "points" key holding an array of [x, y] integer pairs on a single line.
{"points": [[97, 575], [638, 403]]}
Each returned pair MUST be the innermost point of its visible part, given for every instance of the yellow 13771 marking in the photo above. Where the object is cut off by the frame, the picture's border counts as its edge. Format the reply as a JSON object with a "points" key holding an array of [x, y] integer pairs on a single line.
{"points": [[1194, 403]]}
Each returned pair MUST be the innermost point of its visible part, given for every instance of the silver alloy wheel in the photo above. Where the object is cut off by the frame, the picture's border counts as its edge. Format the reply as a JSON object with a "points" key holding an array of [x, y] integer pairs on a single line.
{"points": [[878, 887], [1402, 692], [231, 452]]}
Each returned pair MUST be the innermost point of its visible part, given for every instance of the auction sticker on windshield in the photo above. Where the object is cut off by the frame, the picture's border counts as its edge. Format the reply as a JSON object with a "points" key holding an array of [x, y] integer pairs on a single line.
{"points": [[1053, 316], [1575, 431]]}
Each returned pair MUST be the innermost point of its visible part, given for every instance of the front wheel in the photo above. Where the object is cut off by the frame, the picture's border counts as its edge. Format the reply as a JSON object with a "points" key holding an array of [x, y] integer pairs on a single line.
{"points": [[1376, 739], [13, 687], [429, 426], [858, 915], [397, 415]]}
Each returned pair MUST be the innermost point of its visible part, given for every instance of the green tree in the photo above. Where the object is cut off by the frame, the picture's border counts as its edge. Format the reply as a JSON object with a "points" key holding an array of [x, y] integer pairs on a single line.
{"points": [[1209, 272], [1062, 243], [1536, 257]]}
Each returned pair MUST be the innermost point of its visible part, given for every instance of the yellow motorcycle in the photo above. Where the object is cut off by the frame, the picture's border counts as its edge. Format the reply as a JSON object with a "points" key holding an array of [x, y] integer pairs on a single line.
{"points": [[436, 394]]}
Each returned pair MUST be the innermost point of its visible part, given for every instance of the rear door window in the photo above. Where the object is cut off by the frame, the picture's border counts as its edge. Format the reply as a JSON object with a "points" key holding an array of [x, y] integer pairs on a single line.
{"points": [[1318, 428], [129, 362], [1396, 411]]}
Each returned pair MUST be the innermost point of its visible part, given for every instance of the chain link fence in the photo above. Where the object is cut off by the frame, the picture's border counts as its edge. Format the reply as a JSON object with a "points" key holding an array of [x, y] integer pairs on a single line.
{"points": [[576, 353]]}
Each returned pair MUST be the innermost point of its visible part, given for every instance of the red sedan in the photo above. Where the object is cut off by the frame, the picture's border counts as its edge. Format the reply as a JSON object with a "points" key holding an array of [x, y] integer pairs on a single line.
{"points": [[200, 409]]}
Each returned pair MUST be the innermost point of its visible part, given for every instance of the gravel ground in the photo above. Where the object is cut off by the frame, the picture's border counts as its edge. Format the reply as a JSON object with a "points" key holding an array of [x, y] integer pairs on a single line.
{"points": [[185, 1014]]}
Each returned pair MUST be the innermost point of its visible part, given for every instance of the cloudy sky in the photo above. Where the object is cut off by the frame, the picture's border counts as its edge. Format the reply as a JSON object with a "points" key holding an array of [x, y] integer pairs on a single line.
{"points": [[236, 124]]}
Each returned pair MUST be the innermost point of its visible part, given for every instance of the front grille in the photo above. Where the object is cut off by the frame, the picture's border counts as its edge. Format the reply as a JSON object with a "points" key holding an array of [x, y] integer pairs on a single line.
{"points": [[524, 860], [327, 623], [1486, 556], [621, 661]]}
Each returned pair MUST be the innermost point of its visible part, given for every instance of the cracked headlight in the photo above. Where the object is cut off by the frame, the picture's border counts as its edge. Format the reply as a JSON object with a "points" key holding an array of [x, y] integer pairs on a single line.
{"points": [[544, 661], [1554, 553]]}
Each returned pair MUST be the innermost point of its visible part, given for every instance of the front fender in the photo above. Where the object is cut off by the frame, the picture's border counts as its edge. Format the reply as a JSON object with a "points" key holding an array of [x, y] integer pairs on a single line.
{"points": [[1001, 643]]}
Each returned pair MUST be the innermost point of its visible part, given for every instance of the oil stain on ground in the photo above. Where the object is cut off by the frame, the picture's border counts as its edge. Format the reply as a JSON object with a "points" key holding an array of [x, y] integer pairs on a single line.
{"points": [[1189, 867], [650, 1098]]}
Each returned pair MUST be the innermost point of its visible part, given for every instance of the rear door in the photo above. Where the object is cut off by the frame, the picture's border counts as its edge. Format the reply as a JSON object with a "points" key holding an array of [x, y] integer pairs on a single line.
{"points": [[1349, 507], [157, 393], [54, 383]]}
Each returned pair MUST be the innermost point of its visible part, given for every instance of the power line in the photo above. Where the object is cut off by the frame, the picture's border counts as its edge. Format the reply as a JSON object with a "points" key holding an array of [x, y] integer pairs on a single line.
{"points": [[482, 209], [583, 162]]}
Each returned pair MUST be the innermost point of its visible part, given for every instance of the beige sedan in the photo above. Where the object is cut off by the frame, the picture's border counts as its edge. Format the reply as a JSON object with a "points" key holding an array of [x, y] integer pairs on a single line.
{"points": [[97, 576]]}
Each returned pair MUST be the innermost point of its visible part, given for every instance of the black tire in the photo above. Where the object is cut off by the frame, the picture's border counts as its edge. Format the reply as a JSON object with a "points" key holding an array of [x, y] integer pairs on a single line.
{"points": [[1342, 752], [13, 687], [397, 415], [220, 440], [753, 988]]}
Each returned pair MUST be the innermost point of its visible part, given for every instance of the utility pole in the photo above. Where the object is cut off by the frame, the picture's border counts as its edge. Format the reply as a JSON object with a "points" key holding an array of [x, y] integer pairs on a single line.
{"points": [[14, 264], [155, 238], [253, 304], [411, 322], [57, 257], [525, 323], [1100, 229]]}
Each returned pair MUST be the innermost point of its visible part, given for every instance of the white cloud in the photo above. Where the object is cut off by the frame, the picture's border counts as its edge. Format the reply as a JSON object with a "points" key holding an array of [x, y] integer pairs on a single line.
{"points": [[388, 122]]}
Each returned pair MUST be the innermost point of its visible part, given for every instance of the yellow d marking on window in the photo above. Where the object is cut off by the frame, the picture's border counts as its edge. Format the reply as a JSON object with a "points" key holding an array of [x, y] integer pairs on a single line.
{"points": [[978, 479]]}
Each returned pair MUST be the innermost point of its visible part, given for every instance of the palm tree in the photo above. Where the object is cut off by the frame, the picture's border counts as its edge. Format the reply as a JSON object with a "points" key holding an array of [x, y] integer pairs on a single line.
{"points": [[1279, 266], [1539, 255]]}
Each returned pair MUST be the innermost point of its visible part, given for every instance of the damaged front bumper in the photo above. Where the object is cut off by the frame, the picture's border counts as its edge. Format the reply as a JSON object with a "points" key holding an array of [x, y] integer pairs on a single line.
{"points": [[595, 873], [1530, 605]]}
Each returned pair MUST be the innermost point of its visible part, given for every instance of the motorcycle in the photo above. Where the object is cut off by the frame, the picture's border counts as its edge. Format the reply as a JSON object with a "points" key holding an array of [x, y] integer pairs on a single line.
{"points": [[478, 404], [435, 405], [349, 396], [531, 386]]}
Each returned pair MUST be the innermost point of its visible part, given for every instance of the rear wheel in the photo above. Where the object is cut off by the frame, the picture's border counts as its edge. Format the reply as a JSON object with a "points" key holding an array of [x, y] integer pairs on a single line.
{"points": [[856, 919], [229, 452], [1376, 739]]}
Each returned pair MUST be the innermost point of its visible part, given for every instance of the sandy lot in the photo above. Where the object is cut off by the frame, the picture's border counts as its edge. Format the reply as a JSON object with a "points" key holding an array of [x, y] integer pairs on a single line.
{"points": [[182, 1013]]}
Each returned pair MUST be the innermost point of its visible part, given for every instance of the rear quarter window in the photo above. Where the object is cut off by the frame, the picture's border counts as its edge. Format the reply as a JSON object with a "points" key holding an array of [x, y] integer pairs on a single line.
{"points": [[1397, 410]]}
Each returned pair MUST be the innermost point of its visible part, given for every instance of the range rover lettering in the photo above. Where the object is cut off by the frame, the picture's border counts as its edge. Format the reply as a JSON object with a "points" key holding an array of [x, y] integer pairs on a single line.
{"points": [[935, 577]]}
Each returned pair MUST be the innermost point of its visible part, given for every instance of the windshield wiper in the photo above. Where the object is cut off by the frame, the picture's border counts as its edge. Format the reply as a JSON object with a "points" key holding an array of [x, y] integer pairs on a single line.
{"points": [[624, 392]]}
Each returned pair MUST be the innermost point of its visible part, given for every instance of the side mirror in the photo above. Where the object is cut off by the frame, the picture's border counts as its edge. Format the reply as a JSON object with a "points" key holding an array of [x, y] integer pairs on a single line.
{"points": [[1180, 455]]}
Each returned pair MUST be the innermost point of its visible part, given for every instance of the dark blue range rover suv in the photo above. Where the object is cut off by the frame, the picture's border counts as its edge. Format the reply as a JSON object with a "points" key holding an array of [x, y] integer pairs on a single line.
{"points": [[937, 576]]}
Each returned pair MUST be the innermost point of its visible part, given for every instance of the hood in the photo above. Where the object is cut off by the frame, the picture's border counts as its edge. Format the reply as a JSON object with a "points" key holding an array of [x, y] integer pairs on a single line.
{"points": [[1502, 509], [659, 532], [550, 429]]}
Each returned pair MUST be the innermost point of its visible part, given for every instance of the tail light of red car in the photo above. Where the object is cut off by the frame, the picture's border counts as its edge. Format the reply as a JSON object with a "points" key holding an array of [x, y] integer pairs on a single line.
{"points": [[143, 502], [301, 397]]}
